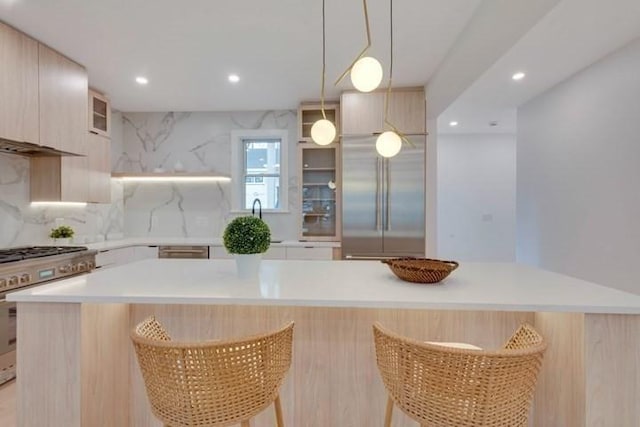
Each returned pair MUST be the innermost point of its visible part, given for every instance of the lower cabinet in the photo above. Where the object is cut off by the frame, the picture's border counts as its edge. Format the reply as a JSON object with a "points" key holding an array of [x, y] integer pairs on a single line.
{"points": [[309, 253], [120, 256], [281, 252]]}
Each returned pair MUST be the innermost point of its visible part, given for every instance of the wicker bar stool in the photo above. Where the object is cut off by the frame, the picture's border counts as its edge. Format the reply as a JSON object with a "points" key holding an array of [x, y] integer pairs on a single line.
{"points": [[212, 383], [441, 386]]}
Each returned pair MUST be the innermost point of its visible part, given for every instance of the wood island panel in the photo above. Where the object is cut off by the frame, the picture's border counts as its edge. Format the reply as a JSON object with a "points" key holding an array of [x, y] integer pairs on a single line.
{"points": [[49, 365], [612, 368]]}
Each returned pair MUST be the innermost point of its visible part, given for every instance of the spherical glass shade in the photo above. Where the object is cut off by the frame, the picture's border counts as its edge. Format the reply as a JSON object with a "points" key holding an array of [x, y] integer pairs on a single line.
{"points": [[388, 144], [366, 74], [323, 132]]}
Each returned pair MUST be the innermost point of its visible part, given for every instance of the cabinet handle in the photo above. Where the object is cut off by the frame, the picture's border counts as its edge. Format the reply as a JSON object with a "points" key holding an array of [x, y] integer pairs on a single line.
{"points": [[182, 251], [388, 190], [378, 195]]}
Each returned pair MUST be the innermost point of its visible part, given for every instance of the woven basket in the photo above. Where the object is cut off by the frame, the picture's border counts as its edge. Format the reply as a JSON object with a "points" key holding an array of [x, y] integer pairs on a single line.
{"points": [[421, 270]]}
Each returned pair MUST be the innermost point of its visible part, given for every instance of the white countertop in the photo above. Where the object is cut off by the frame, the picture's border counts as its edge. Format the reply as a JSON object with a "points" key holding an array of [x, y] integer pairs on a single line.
{"points": [[191, 241], [473, 286]]}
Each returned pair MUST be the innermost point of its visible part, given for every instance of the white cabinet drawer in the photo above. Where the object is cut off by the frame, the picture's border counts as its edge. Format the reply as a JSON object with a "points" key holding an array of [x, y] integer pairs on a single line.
{"points": [[310, 253], [113, 257], [219, 252], [275, 252]]}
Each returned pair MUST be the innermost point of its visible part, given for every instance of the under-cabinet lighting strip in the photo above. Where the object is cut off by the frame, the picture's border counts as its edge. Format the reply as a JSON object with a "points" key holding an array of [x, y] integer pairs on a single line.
{"points": [[63, 204], [175, 178]]}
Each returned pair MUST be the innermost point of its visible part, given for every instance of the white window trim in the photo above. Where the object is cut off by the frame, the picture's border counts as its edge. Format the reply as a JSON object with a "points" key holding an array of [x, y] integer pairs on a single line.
{"points": [[237, 167]]}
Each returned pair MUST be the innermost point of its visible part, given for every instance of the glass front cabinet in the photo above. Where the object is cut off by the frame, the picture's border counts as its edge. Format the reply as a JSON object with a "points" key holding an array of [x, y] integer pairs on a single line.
{"points": [[320, 193]]}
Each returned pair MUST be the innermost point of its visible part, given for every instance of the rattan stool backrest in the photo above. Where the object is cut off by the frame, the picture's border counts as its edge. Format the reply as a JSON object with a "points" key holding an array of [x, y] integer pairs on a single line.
{"points": [[212, 383], [444, 386]]}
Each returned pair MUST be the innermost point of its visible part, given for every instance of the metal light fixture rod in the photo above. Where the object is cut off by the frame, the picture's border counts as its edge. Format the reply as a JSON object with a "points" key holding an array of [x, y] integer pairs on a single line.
{"points": [[361, 54], [388, 93]]}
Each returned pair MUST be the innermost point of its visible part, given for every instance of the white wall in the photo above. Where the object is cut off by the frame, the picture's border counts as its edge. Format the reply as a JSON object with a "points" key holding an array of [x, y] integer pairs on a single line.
{"points": [[578, 203], [476, 197]]}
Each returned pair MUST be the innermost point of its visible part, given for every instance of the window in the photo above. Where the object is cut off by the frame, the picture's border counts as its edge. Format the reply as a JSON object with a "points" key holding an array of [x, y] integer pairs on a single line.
{"points": [[259, 158]]}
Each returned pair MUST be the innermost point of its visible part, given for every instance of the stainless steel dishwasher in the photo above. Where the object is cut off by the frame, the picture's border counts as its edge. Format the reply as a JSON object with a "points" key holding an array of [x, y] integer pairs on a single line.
{"points": [[175, 251]]}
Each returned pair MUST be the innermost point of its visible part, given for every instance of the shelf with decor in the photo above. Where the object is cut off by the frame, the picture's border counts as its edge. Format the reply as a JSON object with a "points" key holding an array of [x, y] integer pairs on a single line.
{"points": [[320, 191], [309, 113]]}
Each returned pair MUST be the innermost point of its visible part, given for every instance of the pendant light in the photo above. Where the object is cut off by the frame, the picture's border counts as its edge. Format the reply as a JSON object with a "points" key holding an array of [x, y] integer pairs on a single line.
{"points": [[323, 132], [366, 71], [389, 142]]}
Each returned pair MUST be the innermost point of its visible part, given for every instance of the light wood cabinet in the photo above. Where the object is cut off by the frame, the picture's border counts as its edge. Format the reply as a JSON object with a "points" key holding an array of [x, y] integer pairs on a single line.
{"points": [[363, 113], [18, 86], [99, 168], [63, 102], [99, 114], [59, 179], [320, 191], [309, 113]]}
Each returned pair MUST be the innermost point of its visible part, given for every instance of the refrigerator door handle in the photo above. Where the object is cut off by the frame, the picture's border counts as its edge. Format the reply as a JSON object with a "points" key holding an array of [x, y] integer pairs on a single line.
{"points": [[378, 195], [387, 191]]}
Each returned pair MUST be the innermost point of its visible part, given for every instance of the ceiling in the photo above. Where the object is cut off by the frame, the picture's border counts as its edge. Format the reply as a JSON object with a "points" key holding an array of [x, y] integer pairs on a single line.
{"points": [[187, 49], [572, 36]]}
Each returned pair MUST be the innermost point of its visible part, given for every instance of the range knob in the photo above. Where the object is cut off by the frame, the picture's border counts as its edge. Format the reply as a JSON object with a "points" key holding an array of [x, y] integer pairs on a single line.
{"points": [[3, 283], [25, 278], [12, 281], [81, 266], [91, 265], [65, 269]]}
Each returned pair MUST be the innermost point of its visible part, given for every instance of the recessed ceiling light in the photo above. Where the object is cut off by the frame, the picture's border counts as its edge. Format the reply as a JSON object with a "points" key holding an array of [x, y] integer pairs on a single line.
{"points": [[142, 80], [234, 78], [518, 76], [453, 124]]}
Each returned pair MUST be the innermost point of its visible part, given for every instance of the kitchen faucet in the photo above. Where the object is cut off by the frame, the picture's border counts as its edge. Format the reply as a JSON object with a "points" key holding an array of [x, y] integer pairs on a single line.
{"points": [[253, 208]]}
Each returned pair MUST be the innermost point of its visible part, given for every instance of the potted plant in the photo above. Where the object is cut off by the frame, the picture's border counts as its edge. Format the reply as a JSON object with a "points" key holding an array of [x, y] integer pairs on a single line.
{"points": [[62, 235], [247, 237]]}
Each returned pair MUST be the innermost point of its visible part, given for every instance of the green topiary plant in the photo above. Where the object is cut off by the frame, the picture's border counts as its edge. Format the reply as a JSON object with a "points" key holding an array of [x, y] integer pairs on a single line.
{"points": [[62, 232], [247, 235]]}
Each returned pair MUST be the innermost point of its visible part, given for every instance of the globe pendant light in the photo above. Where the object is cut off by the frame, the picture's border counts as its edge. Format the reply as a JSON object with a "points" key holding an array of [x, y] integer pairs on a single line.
{"points": [[389, 143], [323, 132], [366, 71], [366, 74]]}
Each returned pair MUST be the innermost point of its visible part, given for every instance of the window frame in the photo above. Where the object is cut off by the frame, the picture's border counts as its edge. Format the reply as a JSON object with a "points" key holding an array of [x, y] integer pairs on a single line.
{"points": [[238, 171]]}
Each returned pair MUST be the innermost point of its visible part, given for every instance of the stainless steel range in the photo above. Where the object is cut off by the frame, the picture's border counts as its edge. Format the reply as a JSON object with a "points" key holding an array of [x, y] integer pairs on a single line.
{"points": [[31, 266]]}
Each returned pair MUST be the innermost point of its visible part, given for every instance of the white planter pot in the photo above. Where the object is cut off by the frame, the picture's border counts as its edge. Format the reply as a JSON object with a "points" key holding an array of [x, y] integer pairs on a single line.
{"points": [[62, 242], [248, 266]]}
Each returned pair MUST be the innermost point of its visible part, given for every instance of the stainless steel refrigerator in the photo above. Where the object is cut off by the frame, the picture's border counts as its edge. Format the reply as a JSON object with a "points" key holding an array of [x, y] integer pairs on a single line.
{"points": [[382, 200]]}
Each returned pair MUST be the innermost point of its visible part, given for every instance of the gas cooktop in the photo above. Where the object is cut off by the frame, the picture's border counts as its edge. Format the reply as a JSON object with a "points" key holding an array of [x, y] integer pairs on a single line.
{"points": [[28, 252]]}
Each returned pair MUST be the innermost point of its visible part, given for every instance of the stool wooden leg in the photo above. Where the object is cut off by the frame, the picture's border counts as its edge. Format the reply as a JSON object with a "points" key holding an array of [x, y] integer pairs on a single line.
{"points": [[278, 406], [389, 413], [245, 424]]}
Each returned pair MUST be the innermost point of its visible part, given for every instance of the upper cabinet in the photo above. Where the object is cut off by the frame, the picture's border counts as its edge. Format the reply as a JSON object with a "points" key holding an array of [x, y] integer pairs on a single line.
{"points": [[99, 114], [309, 113], [18, 86], [363, 113], [63, 102], [99, 167]]}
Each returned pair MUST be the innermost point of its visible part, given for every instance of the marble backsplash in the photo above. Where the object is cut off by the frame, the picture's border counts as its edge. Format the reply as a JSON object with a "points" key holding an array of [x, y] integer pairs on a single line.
{"points": [[200, 142], [23, 224], [142, 142]]}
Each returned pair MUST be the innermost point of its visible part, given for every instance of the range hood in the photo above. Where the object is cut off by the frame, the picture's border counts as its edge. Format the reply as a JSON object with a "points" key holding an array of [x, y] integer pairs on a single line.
{"points": [[28, 149]]}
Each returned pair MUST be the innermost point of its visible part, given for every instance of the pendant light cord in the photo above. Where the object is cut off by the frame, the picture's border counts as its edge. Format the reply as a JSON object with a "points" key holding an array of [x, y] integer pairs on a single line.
{"points": [[366, 48], [388, 95], [324, 116], [386, 99]]}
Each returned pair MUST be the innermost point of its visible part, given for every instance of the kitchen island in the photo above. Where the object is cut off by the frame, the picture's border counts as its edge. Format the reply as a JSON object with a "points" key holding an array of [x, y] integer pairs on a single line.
{"points": [[76, 366]]}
